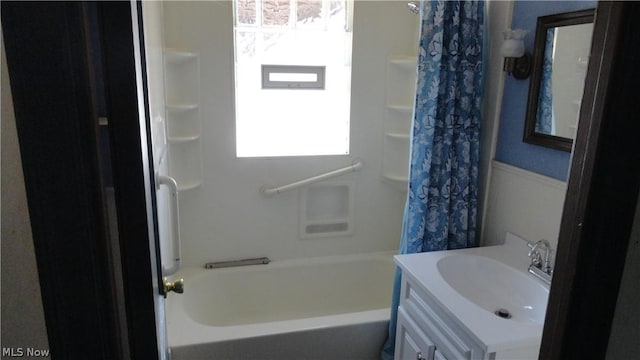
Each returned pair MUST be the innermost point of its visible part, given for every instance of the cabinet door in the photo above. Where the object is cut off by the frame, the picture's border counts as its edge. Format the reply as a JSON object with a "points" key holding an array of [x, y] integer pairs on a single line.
{"points": [[411, 342], [437, 355]]}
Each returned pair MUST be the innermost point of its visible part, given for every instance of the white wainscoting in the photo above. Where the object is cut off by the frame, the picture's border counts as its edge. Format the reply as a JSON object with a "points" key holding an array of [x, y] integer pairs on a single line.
{"points": [[524, 203]]}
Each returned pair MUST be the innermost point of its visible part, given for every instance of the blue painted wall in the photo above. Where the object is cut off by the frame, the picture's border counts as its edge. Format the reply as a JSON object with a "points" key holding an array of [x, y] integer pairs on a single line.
{"points": [[510, 148]]}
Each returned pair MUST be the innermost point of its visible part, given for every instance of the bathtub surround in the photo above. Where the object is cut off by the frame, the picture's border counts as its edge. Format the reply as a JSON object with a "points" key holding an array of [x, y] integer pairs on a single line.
{"points": [[227, 217], [440, 213]]}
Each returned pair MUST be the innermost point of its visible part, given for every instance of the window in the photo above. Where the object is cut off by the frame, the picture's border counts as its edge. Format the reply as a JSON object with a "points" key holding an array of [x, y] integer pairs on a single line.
{"points": [[293, 77]]}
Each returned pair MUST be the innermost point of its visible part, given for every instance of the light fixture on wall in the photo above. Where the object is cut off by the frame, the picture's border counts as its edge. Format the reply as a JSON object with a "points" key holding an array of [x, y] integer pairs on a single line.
{"points": [[414, 7], [517, 62]]}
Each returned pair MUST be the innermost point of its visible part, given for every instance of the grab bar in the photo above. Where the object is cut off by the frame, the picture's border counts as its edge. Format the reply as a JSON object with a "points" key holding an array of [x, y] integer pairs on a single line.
{"points": [[269, 191], [233, 263], [175, 223]]}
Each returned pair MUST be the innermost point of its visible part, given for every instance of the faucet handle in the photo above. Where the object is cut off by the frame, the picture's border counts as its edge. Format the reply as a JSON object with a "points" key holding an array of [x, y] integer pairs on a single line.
{"points": [[537, 244], [536, 258], [533, 250]]}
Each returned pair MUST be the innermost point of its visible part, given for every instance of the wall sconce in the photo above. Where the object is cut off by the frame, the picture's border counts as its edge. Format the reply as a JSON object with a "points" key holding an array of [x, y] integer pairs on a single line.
{"points": [[517, 62], [414, 7]]}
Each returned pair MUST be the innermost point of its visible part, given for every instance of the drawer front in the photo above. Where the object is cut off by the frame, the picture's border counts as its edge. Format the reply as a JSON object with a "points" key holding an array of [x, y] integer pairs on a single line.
{"points": [[450, 339]]}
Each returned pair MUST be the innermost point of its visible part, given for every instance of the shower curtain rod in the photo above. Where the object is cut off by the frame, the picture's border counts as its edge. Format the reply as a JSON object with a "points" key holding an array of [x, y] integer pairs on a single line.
{"points": [[269, 191]]}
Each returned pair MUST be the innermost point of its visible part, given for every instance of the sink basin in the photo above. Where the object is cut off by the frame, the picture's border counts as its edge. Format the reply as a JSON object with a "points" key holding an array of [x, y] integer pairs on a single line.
{"points": [[496, 287]]}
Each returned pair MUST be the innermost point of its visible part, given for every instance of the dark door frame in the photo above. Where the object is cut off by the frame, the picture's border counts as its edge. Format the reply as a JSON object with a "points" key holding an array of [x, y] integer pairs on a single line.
{"points": [[602, 192], [47, 57], [47, 51], [131, 156], [49, 48]]}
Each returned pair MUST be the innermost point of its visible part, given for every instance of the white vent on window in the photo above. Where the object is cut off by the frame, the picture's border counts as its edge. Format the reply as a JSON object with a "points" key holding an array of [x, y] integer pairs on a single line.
{"points": [[293, 77]]}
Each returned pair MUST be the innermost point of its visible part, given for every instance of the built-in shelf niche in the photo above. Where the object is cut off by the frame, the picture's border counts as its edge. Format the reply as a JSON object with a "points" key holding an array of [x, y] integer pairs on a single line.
{"points": [[183, 123], [185, 164], [181, 77], [326, 210], [401, 82], [401, 78], [182, 99]]}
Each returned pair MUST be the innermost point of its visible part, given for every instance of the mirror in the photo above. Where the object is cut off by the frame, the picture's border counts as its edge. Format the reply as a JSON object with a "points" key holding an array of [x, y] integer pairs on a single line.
{"points": [[560, 58]]}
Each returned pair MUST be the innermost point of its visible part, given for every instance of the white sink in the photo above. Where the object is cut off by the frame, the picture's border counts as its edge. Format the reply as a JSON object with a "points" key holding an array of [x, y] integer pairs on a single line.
{"points": [[495, 287]]}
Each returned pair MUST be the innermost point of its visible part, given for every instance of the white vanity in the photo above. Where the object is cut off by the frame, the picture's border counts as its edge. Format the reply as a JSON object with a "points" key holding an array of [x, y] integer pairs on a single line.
{"points": [[475, 303]]}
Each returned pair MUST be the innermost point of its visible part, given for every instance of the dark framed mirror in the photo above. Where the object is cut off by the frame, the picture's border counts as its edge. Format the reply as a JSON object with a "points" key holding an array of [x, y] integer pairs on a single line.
{"points": [[560, 58]]}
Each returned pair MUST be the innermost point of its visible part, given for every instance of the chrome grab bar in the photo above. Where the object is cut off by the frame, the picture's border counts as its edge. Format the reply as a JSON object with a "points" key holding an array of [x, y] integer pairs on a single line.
{"points": [[232, 263], [269, 191], [175, 222]]}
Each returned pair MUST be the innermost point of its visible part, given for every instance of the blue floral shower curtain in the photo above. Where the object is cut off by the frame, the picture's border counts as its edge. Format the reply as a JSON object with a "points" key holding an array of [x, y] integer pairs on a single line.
{"points": [[440, 213], [545, 123]]}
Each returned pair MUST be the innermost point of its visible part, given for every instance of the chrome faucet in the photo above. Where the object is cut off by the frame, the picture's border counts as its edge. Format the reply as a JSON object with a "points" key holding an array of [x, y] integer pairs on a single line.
{"points": [[541, 266]]}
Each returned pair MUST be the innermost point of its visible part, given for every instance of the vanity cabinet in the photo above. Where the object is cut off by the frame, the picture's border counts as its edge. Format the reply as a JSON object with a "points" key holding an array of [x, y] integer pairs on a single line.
{"points": [[476, 303], [436, 322], [424, 331], [411, 342]]}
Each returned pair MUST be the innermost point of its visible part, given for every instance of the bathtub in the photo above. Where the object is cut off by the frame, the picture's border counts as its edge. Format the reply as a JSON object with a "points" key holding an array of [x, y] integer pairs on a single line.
{"points": [[334, 307]]}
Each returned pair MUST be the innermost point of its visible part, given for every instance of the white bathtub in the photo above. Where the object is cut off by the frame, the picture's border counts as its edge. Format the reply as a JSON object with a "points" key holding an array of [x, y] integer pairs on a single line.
{"points": [[333, 307]]}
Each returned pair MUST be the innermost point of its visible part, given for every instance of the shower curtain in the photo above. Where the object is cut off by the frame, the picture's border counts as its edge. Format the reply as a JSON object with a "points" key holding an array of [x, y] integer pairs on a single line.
{"points": [[440, 212], [545, 123]]}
